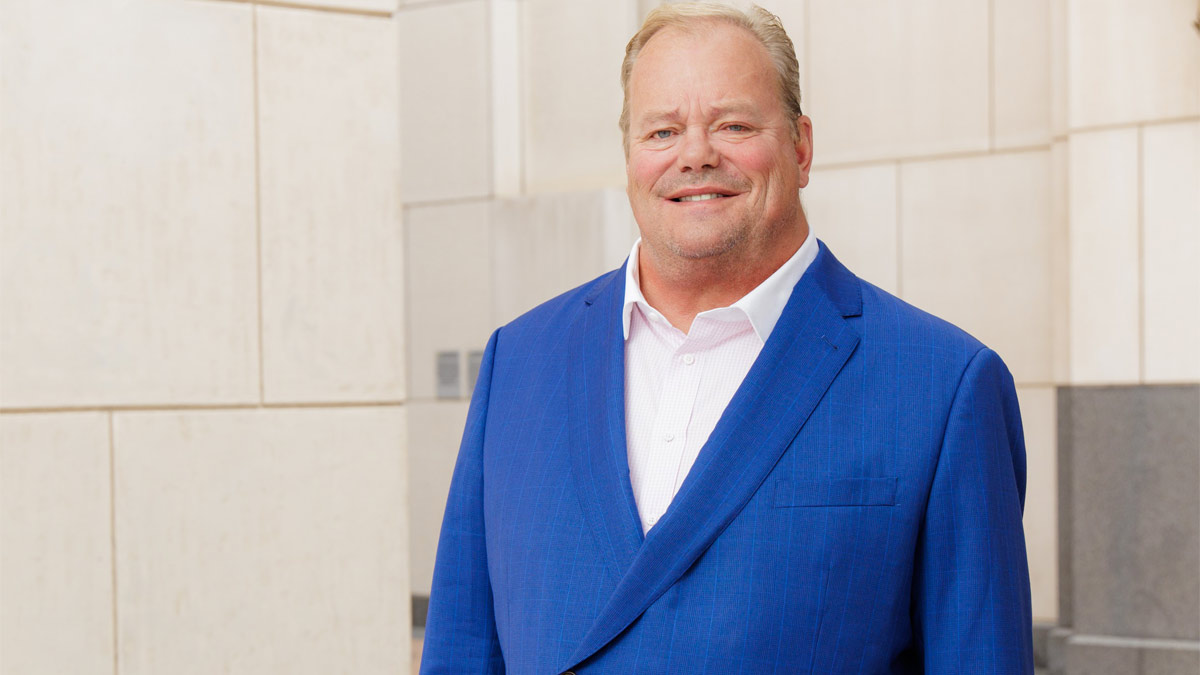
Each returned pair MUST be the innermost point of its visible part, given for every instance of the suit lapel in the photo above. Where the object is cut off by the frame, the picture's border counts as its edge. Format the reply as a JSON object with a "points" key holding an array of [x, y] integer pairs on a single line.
{"points": [[806, 350], [599, 462]]}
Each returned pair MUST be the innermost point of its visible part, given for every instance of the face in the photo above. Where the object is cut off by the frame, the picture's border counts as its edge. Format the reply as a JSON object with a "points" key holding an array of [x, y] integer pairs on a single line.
{"points": [[714, 169]]}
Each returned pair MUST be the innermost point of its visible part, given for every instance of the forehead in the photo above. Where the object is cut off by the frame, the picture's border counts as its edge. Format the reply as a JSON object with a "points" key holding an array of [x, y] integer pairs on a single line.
{"points": [[705, 63]]}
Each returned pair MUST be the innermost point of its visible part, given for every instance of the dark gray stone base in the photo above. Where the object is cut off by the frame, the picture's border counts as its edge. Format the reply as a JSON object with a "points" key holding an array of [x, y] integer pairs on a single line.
{"points": [[1118, 656], [420, 610], [1129, 531]]}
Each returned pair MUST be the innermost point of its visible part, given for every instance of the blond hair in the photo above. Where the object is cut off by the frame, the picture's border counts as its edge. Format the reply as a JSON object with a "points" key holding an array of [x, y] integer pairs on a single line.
{"points": [[763, 25]]}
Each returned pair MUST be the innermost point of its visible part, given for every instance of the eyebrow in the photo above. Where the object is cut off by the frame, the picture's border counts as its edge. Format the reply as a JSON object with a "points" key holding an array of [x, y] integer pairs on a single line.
{"points": [[721, 109]]}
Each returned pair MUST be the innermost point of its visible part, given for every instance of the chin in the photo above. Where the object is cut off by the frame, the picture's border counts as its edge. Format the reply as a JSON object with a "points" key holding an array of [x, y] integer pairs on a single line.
{"points": [[699, 248]]}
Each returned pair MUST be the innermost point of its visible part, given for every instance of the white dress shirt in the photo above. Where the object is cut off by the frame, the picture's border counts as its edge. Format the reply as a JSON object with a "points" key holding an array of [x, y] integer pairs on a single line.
{"points": [[678, 384]]}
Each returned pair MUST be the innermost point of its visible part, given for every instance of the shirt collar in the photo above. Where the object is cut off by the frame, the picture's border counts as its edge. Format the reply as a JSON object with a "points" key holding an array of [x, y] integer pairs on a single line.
{"points": [[763, 305]]}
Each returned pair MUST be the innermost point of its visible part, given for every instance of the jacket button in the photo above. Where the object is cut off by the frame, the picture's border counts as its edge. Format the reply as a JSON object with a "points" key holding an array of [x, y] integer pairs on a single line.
{"points": [[569, 672]]}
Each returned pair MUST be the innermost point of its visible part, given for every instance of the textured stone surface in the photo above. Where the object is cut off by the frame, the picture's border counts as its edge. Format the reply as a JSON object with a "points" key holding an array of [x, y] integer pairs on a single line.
{"points": [[864, 57], [448, 248], [543, 245], [1104, 302], [1092, 659], [56, 585], [1134, 478], [1041, 496], [1131, 61], [332, 258], [1171, 247], [127, 266], [985, 223], [1101, 655], [1170, 661], [262, 541], [1066, 451], [444, 121]]}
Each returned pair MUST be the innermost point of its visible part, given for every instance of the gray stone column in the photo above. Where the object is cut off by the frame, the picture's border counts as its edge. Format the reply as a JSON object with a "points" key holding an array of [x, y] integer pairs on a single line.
{"points": [[1129, 528]]}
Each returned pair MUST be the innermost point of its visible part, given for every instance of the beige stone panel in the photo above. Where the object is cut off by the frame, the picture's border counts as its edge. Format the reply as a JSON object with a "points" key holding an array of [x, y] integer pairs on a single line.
{"points": [[262, 541], [434, 433], [1021, 72], [449, 288], [547, 244], [371, 6], [1060, 280], [897, 79], [1131, 61], [854, 212], [445, 111], [55, 544], [1058, 67], [976, 250], [572, 92], [1102, 193], [1039, 414], [1171, 234], [127, 254], [504, 32], [332, 244]]}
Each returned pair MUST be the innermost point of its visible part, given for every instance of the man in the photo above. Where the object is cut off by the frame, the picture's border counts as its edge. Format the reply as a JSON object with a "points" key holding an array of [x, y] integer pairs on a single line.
{"points": [[731, 455]]}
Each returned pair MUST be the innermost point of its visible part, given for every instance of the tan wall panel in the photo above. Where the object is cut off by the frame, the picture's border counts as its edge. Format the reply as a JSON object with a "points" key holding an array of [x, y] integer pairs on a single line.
{"points": [[127, 243], [332, 245], [548, 244], [897, 79], [1105, 280], [1060, 280], [854, 211], [1131, 61], [572, 95], [373, 6], [449, 286], [262, 541], [976, 251], [445, 113], [1021, 72], [1039, 415], [56, 579], [1171, 235]]}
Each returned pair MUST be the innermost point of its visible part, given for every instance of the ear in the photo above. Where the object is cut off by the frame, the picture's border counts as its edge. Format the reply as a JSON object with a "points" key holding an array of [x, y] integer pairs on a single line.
{"points": [[804, 147]]}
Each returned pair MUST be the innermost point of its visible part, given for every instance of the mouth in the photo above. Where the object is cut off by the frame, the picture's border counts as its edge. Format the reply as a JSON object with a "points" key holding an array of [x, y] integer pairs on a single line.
{"points": [[701, 195]]}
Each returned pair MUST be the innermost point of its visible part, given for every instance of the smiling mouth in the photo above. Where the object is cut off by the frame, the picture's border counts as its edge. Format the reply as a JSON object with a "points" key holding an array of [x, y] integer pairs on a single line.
{"points": [[699, 198]]}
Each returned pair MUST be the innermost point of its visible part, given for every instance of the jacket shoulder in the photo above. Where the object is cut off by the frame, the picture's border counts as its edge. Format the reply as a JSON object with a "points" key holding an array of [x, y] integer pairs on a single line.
{"points": [[890, 320]]}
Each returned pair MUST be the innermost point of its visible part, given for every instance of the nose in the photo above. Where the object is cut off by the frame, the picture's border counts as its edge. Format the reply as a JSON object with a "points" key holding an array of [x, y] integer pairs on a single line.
{"points": [[697, 151]]}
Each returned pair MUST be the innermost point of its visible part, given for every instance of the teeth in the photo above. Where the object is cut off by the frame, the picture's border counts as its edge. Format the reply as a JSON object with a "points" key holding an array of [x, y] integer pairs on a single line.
{"points": [[700, 198]]}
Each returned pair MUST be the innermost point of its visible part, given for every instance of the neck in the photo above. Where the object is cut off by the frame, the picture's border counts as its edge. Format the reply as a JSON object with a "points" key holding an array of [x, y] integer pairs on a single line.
{"points": [[682, 288]]}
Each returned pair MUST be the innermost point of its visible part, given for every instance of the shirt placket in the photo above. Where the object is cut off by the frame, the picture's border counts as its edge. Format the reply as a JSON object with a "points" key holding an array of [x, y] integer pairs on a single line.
{"points": [[676, 405]]}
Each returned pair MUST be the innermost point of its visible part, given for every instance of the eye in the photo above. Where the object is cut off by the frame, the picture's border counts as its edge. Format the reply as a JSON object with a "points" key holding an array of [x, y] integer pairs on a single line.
{"points": [[736, 127], [661, 134]]}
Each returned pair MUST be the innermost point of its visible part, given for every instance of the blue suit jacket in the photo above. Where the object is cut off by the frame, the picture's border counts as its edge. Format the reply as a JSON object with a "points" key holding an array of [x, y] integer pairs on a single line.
{"points": [[857, 509]]}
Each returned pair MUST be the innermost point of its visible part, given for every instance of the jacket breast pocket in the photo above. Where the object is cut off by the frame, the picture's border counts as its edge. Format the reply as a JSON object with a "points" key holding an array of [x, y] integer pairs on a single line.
{"points": [[835, 492]]}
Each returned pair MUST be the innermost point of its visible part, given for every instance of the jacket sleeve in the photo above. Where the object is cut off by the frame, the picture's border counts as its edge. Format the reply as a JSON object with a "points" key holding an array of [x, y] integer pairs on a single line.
{"points": [[460, 631], [971, 602]]}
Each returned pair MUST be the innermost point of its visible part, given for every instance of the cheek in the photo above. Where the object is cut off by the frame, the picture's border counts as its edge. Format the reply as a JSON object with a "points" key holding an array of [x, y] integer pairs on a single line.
{"points": [[643, 171], [755, 161]]}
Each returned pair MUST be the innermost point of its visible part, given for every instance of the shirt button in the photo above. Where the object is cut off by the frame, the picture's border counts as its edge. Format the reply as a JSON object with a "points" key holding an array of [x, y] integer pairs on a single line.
{"points": [[652, 520], [689, 359], [668, 437]]}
